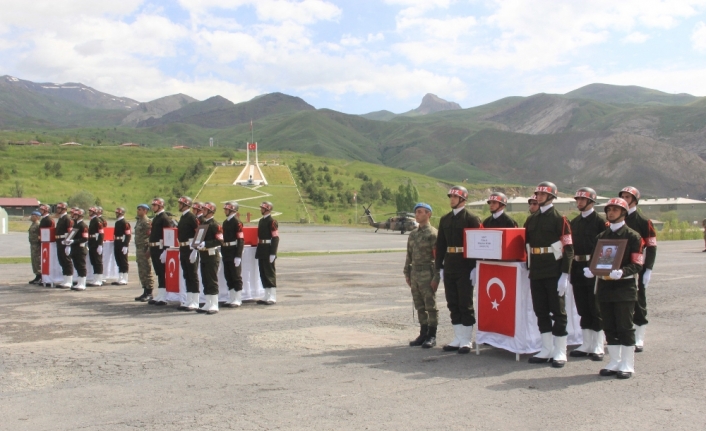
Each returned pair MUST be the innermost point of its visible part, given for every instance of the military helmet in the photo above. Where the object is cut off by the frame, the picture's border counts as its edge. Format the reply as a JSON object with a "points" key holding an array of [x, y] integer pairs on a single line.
{"points": [[185, 200], [498, 197], [77, 212], [586, 192], [44, 208], [61, 206], [267, 205], [422, 205], [231, 206], [209, 207], [459, 191], [100, 210], [532, 198], [158, 201], [93, 210], [120, 210], [546, 187], [197, 206], [631, 190], [616, 202]]}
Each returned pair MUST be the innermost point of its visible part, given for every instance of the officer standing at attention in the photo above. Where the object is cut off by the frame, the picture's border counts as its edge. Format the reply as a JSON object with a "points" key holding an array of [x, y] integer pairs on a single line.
{"points": [[456, 270], [186, 230], [157, 251], [232, 250], [64, 224], [210, 259], [585, 228], [266, 252], [617, 293], [76, 247], [497, 202], [533, 205], [35, 246], [142, 252], [548, 237], [642, 225], [123, 234], [95, 246], [421, 275], [197, 209]]}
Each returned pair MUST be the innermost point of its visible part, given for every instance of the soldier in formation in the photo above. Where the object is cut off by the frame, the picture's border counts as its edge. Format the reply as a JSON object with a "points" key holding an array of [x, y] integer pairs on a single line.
{"points": [[186, 230], [142, 252], [533, 205], [157, 251], [76, 247], [96, 232], [498, 219], [456, 271], [35, 245], [642, 225], [550, 246], [266, 253], [618, 293], [123, 234], [64, 224], [232, 250], [585, 229], [210, 258], [422, 276]]}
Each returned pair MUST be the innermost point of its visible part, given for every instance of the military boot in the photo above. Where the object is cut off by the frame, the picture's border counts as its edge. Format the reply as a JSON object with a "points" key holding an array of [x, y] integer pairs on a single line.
{"points": [[431, 338], [146, 295], [422, 336], [37, 280]]}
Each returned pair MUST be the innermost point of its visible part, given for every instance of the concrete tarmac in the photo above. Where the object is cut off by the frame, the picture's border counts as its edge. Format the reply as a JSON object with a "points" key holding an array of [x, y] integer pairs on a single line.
{"points": [[332, 354]]}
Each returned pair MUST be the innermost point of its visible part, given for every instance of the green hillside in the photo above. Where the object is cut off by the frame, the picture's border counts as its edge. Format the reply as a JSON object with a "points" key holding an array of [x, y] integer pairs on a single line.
{"points": [[630, 94]]}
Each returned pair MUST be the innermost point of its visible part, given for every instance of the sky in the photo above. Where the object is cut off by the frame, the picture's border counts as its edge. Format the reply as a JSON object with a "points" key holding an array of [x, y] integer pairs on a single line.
{"points": [[355, 56]]}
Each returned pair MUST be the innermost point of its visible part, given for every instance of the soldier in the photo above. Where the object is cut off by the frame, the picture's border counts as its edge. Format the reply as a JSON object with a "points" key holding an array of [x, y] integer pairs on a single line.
{"points": [[210, 259], [421, 275], [76, 247], [497, 202], [64, 224], [266, 252], [550, 252], [95, 245], [585, 227], [533, 205], [455, 270], [35, 245], [123, 234], [232, 250], [197, 209], [617, 293], [642, 225], [142, 252], [186, 230], [45, 222], [157, 251]]}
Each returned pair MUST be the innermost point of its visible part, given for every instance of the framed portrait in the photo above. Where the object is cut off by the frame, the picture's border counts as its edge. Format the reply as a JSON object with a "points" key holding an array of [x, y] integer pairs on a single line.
{"points": [[608, 255], [72, 234], [200, 235]]}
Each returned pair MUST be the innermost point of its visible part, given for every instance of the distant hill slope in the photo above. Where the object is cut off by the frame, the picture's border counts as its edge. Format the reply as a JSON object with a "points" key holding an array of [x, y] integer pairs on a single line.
{"points": [[157, 108], [630, 94], [431, 103]]}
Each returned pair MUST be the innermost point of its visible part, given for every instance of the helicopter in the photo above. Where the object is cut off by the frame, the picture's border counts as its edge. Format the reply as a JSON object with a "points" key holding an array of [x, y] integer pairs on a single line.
{"points": [[402, 222]]}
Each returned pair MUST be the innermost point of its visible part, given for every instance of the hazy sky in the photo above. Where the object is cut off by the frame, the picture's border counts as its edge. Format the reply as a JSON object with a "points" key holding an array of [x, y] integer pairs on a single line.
{"points": [[355, 56]]}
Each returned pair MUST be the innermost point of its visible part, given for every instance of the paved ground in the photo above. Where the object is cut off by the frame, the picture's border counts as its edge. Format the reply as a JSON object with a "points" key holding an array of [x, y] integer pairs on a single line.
{"points": [[330, 355]]}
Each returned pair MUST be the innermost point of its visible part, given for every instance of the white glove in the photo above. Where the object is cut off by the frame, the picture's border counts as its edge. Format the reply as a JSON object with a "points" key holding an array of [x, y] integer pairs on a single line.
{"points": [[68, 241], [99, 250], [563, 284], [272, 258], [474, 280], [124, 250], [441, 274], [237, 261], [616, 274], [646, 277], [192, 257], [587, 273], [68, 250], [201, 246], [163, 257]]}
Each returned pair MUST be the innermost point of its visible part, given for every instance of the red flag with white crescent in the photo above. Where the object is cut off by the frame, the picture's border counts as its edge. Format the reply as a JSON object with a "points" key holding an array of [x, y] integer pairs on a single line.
{"points": [[46, 258], [252, 146], [497, 293], [172, 272]]}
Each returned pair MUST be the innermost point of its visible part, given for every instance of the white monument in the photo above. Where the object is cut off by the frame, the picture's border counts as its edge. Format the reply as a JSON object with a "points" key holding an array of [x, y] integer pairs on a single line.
{"points": [[251, 175]]}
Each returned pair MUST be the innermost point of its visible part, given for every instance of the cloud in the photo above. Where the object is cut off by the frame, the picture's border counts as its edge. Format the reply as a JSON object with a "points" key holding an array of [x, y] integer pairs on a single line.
{"points": [[636, 37], [698, 37]]}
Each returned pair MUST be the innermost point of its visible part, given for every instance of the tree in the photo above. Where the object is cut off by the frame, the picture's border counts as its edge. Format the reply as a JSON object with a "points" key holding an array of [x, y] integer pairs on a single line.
{"points": [[82, 199], [150, 169], [406, 196], [17, 191]]}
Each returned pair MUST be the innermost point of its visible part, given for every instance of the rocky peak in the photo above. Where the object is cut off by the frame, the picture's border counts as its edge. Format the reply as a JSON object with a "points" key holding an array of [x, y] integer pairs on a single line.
{"points": [[432, 103]]}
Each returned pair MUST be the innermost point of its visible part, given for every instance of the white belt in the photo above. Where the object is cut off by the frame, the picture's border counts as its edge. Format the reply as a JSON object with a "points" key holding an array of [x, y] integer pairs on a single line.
{"points": [[95, 235], [229, 244], [60, 236], [265, 241], [120, 238], [211, 251], [582, 258]]}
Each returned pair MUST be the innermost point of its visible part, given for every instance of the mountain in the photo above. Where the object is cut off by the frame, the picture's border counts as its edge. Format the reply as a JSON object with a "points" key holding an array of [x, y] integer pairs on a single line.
{"points": [[156, 108], [189, 112], [383, 115], [431, 103], [630, 94]]}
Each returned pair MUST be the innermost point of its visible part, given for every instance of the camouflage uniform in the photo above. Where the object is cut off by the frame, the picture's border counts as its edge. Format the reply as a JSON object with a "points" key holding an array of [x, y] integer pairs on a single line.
{"points": [[36, 248], [419, 269], [142, 251]]}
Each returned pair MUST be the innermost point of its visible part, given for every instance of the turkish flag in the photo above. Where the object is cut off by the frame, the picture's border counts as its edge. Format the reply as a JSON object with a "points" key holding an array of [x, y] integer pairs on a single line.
{"points": [[252, 146], [172, 273], [46, 258], [497, 292]]}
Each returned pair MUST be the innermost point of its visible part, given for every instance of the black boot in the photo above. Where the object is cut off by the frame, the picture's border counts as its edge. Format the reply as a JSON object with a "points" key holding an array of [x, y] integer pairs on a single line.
{"points": [[146, 295], [431, 338], [37, 280], [422, 336]]}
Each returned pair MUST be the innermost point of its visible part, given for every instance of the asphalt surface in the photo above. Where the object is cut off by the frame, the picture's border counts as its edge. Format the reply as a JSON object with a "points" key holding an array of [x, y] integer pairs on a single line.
{"points": [[332, 354]]}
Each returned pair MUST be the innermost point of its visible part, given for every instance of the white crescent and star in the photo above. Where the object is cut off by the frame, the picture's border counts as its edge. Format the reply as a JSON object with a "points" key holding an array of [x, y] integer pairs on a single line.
{"points": [[491, 282], [169, 265], [44, 251]]}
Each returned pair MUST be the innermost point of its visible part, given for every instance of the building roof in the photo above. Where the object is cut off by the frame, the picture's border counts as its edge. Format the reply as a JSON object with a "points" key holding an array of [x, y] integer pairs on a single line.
{"points": [[70, 144], [129, 144], [19, 202]]}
